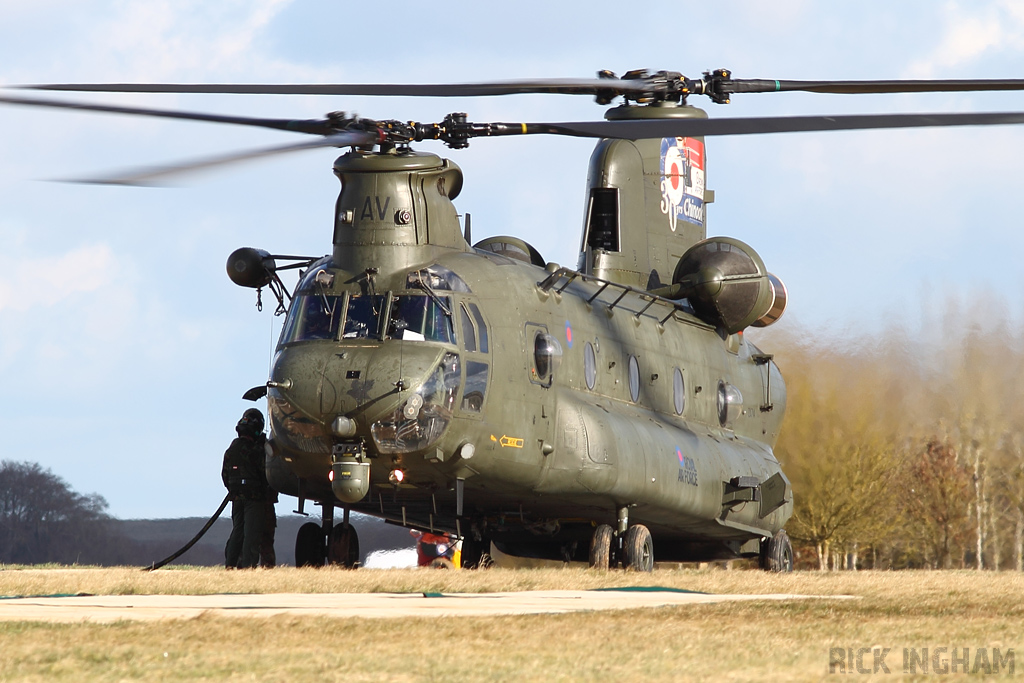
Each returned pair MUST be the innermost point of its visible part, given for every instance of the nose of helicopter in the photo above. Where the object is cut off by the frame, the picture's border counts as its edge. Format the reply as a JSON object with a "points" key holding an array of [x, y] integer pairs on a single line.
{"points": [[314, 384]]}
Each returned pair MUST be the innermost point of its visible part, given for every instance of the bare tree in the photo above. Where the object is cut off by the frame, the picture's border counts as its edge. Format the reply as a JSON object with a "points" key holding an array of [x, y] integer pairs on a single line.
{"points": [[43, 520]]}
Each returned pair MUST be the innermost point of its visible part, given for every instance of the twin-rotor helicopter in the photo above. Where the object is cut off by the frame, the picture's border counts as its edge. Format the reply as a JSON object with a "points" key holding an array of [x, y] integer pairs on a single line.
{"points": [[611, 412]]}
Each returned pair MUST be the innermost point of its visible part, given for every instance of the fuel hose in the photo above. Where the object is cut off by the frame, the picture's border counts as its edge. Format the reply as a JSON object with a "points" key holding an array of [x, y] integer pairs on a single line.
{"points": [[184, 548]]}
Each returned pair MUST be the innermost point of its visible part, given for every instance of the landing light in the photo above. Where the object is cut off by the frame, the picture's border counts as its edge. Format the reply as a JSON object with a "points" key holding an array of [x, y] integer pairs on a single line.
{"points": [[396, 477], [330, 475]]}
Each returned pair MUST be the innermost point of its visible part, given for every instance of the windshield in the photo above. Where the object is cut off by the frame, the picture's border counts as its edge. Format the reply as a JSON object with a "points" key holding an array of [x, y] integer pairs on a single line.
{"points": [[362, 316], [419, 317], [312, 316], [414, 317]]}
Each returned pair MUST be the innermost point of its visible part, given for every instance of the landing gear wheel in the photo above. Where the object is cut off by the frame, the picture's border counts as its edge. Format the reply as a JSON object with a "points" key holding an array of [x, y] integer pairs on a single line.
{"points": [[476, 554], [442, 563], [343, 547], [309, 546], [638, 549], [601, 547], [777, 553]]}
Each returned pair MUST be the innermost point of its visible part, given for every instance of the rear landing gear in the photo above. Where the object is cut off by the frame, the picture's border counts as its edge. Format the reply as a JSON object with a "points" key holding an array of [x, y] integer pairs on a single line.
{"points": [[777, 553], [601, 547], [632, 546], [638, 549]]}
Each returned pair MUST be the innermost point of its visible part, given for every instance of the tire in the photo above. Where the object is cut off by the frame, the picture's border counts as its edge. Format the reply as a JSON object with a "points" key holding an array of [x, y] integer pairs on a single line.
{"points": [[442, 563], [638, 549], [601, 547], [475, 554], [777, 553], [309, 546], [343, 548]]}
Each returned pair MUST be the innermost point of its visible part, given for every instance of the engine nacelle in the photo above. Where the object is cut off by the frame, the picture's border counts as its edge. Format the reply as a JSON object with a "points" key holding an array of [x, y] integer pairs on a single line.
{"points": [[727, 284], [779, 298], [248, 267]]}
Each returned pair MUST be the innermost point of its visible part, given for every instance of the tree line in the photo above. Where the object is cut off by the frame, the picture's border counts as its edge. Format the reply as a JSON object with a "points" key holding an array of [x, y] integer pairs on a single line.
{"points": [[905, 449], [43, 520]]}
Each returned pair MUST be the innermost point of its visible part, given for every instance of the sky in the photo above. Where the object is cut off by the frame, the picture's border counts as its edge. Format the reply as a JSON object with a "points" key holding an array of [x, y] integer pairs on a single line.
{"points": [[125, 349]]}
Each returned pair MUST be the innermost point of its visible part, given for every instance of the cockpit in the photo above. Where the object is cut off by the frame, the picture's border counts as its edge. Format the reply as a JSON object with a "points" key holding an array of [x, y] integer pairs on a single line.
{"points": [[416, 316]]}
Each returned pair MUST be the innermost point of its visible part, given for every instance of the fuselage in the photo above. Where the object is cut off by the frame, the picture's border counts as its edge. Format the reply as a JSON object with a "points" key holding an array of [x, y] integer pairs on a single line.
{"points": [[554, 399]]}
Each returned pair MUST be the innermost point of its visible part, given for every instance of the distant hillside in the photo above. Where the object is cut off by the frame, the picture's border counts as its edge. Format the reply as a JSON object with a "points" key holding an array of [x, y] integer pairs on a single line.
{"points": [[154, 539]]}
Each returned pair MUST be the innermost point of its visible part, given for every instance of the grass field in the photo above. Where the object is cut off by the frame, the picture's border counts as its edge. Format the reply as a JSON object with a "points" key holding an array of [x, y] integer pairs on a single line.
{"points": [[741, 641]]}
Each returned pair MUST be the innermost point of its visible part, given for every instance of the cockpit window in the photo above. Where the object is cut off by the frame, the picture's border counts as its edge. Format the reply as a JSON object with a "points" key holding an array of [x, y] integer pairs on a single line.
{"points": [[312, 316], [417, 317], [362, 316], [437, 277], [420, 317]]}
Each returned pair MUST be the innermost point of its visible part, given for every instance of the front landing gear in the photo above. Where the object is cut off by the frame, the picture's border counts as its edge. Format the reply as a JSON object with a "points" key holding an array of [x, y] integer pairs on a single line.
{"points": [[343, 546], [309, 546], [317, 544], [777, 553]]}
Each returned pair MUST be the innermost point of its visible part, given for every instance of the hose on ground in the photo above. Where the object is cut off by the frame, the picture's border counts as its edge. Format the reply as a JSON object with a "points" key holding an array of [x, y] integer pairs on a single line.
{"points": [[184, 549]]}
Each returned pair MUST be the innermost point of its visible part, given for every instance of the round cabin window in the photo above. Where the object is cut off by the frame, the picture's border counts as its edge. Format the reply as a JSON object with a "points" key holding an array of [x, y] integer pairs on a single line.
{"points": [[589, 365], [634, 378], [678, 391]]}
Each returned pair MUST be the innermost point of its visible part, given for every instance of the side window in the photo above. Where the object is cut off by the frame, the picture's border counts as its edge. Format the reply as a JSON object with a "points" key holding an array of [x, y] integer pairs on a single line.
{"points": [[476, 386], [678, 391], [475, 341], [589, 365], [468, 333], [481, 327], [634, 379]]}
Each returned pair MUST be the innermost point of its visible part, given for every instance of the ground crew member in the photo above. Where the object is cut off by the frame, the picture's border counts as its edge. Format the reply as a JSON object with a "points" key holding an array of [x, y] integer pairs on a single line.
{"points": [[244, 475], [268, 558]]}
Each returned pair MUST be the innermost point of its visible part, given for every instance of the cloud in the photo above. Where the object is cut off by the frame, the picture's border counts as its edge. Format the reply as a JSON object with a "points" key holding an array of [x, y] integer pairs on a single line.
{"points": [[46, 281], [972, 32]]}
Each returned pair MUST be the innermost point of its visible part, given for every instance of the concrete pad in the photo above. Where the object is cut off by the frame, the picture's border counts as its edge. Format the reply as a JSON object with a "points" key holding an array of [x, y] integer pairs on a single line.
{"points": [[108, 608]]}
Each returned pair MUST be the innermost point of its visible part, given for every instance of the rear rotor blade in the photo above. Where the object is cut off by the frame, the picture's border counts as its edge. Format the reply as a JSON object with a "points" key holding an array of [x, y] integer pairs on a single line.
{"points": [[657, 128], [152, 176], [313, 127]]}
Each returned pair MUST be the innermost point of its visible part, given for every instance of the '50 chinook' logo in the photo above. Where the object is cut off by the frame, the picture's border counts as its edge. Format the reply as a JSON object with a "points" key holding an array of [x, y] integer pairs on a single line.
{"points": [[682, 180], [687, 468]]}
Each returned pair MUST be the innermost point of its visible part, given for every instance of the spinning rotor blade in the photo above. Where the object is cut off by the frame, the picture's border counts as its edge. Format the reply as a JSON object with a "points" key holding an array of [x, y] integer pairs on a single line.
{"points": [[656, 128], [152, 176], [313, 126], [743, 85], [563, 86], [635, 85]]}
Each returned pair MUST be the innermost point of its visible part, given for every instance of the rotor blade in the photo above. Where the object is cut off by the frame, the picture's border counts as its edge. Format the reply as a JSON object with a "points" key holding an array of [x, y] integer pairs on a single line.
{"points": [[657, 128], [152, 176], [313, 127], [744, 85], [564, 86]]}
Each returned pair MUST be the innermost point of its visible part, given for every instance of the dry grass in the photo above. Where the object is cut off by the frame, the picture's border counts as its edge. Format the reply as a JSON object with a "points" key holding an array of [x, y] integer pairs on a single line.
{"points": [[775, 641]]}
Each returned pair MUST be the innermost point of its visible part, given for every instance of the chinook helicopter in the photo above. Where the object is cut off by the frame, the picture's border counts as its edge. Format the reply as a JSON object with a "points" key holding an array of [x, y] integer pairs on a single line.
{"points": [[612, 412]]}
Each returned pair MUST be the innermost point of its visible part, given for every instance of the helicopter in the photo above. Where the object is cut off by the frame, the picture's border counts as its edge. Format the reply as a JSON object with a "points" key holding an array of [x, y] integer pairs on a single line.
{"points": [[612, 412]]}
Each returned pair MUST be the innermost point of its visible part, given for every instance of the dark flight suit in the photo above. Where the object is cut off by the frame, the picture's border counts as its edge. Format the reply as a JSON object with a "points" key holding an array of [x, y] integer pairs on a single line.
{"points": [[245, 477], [268, 558]]}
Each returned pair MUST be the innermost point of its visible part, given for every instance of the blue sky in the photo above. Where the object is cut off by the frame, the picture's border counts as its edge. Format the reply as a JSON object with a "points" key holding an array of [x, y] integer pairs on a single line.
{"points": [[124, 348]]}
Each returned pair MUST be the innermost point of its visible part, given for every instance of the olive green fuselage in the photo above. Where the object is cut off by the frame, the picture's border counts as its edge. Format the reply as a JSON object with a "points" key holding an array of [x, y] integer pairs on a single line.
{"points": [[553, 400]]}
